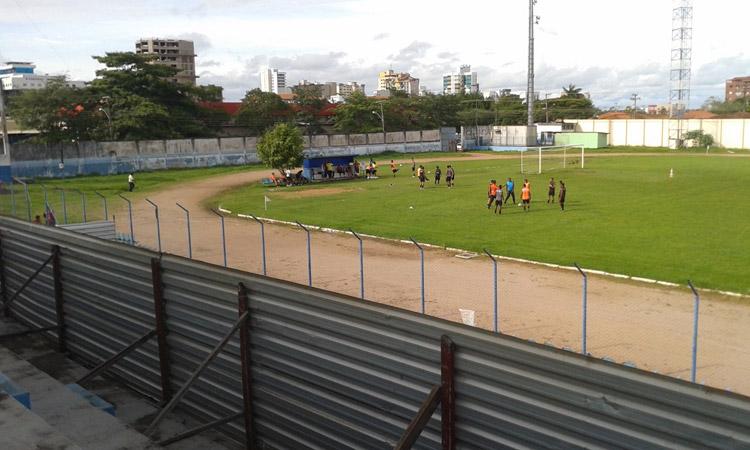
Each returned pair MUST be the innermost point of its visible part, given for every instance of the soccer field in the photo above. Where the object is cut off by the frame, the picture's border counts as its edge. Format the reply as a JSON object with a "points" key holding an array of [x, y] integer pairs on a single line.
{"points": [[624, 214]]}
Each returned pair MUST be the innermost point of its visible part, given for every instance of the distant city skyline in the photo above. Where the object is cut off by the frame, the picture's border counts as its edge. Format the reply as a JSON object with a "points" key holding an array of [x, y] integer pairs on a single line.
{"points": [[610, 50]]}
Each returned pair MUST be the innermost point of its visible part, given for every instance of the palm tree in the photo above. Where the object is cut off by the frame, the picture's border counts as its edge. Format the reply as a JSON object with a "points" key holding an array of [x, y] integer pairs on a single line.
{"points": [[572, 91]]}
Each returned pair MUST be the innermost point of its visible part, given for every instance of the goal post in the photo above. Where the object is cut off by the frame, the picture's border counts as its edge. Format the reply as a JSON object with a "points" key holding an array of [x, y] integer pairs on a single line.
{"points": [[536, 160]]}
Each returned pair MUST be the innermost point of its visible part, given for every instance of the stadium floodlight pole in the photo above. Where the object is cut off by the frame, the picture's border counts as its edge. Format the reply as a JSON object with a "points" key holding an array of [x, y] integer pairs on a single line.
{"points": [[190, 244], [130, 215], [262, 241], [585, 290], [382, 121], [361, 264], [104, 199], [530, 78], [83, 204], [223, 236], [421, 253], [309, 256], [695, 331], [494, 261], [158, 231]]}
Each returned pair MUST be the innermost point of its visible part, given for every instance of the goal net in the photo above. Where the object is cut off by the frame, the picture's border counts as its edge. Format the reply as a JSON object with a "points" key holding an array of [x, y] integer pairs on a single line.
{"points": [[547, 159]]}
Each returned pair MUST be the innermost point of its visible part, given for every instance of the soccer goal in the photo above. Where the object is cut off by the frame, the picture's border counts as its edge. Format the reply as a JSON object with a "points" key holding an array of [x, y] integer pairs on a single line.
{"points": [[547, 159]]}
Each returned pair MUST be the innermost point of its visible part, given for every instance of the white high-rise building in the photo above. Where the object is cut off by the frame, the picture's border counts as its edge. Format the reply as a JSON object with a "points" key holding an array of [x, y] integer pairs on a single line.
{"points": [[19, 76], [271, 80], [463, 81]]}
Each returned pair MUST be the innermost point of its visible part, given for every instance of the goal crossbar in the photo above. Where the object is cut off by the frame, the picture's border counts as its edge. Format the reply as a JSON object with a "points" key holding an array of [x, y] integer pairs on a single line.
{"points": [[526, 167]]}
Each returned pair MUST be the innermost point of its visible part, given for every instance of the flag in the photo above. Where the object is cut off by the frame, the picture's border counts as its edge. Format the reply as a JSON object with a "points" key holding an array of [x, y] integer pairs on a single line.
{"points": [[268, 199], [265, 202]]}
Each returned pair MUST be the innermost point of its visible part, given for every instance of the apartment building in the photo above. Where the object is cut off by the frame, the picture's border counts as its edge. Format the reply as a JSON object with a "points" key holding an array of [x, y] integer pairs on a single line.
{"points": [[345, 89], [399, 81], [271, 80], [738, 87], [463, 80], [17, 77], [176, 53]]}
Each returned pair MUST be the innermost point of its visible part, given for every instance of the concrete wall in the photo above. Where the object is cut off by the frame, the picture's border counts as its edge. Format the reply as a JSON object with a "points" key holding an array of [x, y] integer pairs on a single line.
{"points": [[728, 133], [588, 140], [109, 158]]}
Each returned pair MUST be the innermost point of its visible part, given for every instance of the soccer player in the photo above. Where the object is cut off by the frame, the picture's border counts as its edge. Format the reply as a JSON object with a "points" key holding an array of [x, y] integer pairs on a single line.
{"points": [[499, 200], [561, 196], [450, 176], [509, 191], [413, 167], [437, 175], [551, 193], [394, 169], [491, 192], [422, 177], [526, 197]]}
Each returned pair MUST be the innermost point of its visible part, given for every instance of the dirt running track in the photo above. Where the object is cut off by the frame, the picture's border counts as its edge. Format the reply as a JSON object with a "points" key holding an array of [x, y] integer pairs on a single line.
{"points": [[642, 323]]}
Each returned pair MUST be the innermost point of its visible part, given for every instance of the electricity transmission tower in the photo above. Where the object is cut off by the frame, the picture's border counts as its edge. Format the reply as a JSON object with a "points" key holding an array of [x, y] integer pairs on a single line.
{"points": [[682, 49]]}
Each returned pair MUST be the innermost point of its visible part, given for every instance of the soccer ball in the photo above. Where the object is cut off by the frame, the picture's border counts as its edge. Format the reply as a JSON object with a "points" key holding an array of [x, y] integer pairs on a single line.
{"points": [[519, 204], [411, 207], [428, 171], [400, 165]]}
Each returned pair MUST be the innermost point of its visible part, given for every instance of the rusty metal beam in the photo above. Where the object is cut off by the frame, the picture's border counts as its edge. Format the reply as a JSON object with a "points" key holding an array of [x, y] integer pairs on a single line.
{"points": [[183, 390], [3, 284], [7, 304], [448, 384], [114, 358], [200, 429], [27, 332], [243, 301], [161, 329], [419, 421], [57, 274]]}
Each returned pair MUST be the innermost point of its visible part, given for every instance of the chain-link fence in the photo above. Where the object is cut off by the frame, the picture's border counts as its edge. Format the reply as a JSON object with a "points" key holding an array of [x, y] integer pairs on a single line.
{"points": [[657, 327]]}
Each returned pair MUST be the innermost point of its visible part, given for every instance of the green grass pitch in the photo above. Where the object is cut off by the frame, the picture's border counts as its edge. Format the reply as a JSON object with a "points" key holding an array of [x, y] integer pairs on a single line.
{"points": [[624, 214]]}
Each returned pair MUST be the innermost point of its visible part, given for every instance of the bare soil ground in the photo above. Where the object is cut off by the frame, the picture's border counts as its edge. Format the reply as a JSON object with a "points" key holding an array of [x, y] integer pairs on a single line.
{"points": [[646, 324]]}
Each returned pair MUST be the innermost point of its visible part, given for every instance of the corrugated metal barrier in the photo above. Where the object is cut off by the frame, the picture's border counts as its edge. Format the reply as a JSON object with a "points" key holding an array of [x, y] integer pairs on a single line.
{"points": [[335, 372]]}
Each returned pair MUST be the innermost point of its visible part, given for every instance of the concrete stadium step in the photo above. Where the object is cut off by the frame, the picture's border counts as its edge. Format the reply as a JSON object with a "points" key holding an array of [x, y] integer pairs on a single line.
{"points": [[51, 371], [21, 429], [73, 416]]}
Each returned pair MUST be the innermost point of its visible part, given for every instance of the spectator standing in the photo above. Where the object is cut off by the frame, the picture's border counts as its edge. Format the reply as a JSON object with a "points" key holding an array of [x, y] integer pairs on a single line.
{"points": [[131, 182]]}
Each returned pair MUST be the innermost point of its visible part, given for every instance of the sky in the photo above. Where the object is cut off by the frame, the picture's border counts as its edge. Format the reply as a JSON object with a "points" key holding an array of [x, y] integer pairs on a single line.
{"points": [[610, 49]]}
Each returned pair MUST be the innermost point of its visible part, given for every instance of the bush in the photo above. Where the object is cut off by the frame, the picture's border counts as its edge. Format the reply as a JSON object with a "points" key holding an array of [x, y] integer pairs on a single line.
{"points": [[699, 138]]}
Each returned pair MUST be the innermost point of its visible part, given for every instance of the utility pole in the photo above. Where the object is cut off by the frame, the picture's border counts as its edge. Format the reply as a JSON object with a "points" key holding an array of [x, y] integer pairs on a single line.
{"points": [[546, 106], [382, 121], [530, 80], [635, 99], [6, 143]]}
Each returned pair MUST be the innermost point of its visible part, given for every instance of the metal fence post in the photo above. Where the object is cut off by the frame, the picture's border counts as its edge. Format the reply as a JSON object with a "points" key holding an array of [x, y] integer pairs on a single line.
{"points": [[190, 244], [65, 209], [361, 264], [106, 217], [309, 256], [57, 279], [12, 198], [28, 202], [83, 204], [158, 230], [585, 291], [421, 257], [262, 242], [223, 236], [44, 190], [695, 331], [246, 363], [161, 329], [495, 291], [130, 216]]}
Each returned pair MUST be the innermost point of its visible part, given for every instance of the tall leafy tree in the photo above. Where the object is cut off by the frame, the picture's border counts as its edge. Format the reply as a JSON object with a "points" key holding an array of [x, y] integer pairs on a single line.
{"points": [[260, 111], [572, 91], [309, 100], [281, 147], [355, 115]]}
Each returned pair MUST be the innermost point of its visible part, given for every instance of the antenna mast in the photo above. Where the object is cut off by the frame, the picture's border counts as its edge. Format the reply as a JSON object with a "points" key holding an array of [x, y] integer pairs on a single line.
{"points": [[682, 49], [530, 80]]}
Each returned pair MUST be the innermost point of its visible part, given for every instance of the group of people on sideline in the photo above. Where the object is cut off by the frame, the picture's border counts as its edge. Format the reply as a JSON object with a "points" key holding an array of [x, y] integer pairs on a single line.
{"points": [[495, 194]]}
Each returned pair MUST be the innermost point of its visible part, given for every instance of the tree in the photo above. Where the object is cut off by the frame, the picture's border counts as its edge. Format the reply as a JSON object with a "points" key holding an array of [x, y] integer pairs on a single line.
{"points": [[700, 138], [355, 115], [572, 91], [281, 147], [309, 100], [260, 111], [59, 112]]}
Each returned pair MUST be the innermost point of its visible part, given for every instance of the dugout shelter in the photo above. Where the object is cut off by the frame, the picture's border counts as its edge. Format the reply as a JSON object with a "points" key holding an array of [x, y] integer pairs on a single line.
{"points": [[313, 167]]}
